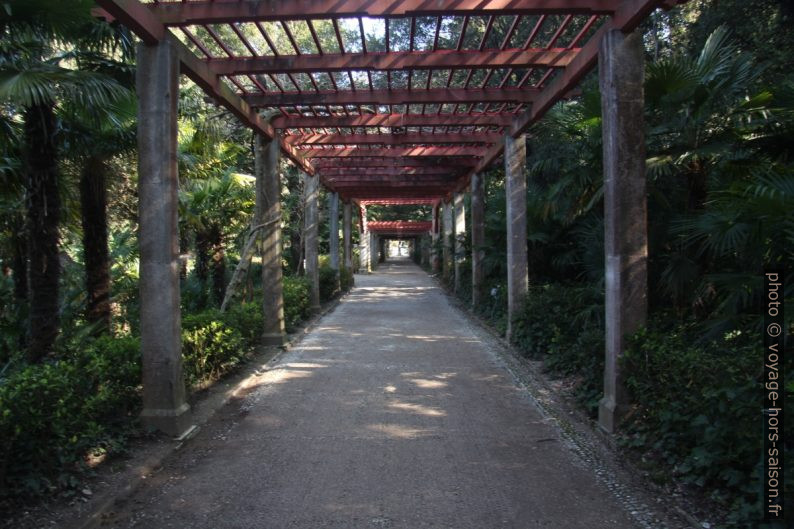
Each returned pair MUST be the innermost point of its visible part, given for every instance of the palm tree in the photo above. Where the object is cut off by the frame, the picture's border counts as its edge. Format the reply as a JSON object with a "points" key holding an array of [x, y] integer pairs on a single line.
{"points": [[35, 79]]}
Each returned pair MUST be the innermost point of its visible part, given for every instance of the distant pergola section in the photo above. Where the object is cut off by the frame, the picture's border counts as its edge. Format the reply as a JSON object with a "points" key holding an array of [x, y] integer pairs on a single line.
{"points": [[387, 102], [399, 228]]}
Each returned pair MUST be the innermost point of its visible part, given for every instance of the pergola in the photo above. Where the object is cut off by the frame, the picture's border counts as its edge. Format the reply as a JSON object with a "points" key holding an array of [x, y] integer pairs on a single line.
{"points": [[388, 102]]}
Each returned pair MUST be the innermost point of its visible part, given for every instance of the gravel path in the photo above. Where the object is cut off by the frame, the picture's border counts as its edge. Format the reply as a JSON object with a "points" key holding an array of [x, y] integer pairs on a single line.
{"points": [[393, 412]]}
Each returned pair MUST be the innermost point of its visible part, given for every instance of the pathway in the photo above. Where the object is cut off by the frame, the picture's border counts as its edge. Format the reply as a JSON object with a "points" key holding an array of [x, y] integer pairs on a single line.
{"points": [[392, 413]]}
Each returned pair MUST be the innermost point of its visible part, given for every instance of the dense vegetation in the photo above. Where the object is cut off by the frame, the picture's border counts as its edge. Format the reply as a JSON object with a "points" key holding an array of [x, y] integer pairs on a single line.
{"points": [[720, 118], [69, 326]]}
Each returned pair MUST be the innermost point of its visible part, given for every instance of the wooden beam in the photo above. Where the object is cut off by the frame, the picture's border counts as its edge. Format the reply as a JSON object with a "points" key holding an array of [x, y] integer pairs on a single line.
{"points": [[139, 19], [393, 120], [391, 139], [211, 12], [395, 60], [394, 152], [394, 97], [397, 162]]}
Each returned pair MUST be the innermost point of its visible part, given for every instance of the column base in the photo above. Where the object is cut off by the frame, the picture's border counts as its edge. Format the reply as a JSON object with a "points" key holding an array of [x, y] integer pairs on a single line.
{"points": [[315, 309], [173, 422], [274, 339], [610, 413]]}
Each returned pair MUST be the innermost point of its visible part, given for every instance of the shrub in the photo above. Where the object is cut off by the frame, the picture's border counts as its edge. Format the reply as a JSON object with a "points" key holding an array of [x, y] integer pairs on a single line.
{"points": [[296, 301], [210, 346], [247, 319], [53, 414], [329, 284], [346, 279], [697, 412]]}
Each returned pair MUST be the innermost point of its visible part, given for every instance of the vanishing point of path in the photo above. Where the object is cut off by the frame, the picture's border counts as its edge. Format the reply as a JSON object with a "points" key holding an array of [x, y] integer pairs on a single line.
{"points": [[393, 412]]}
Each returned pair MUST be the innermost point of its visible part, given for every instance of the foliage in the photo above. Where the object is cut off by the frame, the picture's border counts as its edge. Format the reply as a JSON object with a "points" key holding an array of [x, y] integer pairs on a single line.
{"points": [[346, 279], [296, 301], [707, 430], [54, 414]]}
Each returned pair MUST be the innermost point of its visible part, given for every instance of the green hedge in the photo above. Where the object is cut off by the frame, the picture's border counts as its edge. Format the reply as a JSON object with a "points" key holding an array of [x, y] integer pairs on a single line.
{"points": [[53, 415], [296, 301], [698, 415], [564, 326]]}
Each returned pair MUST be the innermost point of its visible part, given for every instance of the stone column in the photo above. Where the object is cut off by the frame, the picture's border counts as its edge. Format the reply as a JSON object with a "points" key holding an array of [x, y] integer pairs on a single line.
{"points": [[516, 194], [164, 405], [268, 206], [311, 220], [333, 232], [364, 263], [621, 70], [460, 233], [435, 264], [373, 251], [477, 239], [448, 231], [383, 250], [347, 240]]}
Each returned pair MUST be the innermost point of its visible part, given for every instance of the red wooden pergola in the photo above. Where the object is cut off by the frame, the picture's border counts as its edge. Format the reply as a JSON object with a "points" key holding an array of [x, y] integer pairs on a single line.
{"points": [[399, 228], [387, 100]]}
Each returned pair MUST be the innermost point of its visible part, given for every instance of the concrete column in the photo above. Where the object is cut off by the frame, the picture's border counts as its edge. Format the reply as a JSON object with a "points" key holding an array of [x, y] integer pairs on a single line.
{"points": [[311, 220], [347, 240], [477, 239], [268, 207], [333, 232], [447, 234], [460, 233], [621, 70], [516, 194], [435, 263], [373, 251], [164, 405], [383, 250], [364, 262]]}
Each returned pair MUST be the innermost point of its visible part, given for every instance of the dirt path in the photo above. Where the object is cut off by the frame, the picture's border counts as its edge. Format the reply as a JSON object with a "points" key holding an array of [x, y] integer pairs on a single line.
{"points": [[392, 413]]}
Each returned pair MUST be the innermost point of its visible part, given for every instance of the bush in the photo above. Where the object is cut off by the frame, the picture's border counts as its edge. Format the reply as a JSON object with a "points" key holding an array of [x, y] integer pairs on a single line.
{"points": [[329, 285], [52, 415], [697, 412], [247, 319], [346, 279], [564, 326], [210, 347], [296, 301]]}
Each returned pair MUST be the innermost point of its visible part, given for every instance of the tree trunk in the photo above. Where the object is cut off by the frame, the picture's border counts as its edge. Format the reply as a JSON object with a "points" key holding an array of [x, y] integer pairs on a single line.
{"points": [[43, 212], [93, 207], [218, 266], [19, 263]]}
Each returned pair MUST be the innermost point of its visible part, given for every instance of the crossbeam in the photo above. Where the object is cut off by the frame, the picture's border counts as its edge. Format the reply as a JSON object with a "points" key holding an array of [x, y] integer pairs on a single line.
{"points": [[391, 139], [331, 172], [398, 162], [393, 120], [394, 97], [394, 152], [395, 60], [212, 12]]}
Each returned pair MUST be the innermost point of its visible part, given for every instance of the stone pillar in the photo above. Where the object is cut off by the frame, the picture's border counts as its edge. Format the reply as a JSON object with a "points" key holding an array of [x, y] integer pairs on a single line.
{"points": [[364, 263], [347, 240], [373, 251], [435, 264], [477, 239], [268, 207], [164, 404], [333, 232], [383, 249], [460, 233], [621, 70], [516, 194], [311, 220], [447, 235]]}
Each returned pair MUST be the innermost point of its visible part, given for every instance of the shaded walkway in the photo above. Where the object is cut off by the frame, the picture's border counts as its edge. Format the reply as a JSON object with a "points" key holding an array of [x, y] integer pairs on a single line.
{"points": [[392, 412]]}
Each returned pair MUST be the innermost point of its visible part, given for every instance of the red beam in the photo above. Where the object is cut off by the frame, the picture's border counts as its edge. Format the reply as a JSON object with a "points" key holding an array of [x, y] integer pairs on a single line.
{"points": [[395, 60], [393, 120], [212, 12], [138, 18], [389, 179], [393, 152], [397, 162], [357, 170], [399, 202], [391, 139], [394, 97]]}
